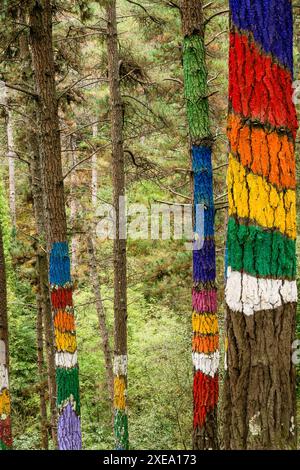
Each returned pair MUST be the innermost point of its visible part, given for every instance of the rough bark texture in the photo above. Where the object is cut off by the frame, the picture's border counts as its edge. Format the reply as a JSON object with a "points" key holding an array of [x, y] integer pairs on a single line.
{"points": [[5, 402], [104, 333], [67, 374], [120, 274], [204, 296], [261, 292], [73, 205]]}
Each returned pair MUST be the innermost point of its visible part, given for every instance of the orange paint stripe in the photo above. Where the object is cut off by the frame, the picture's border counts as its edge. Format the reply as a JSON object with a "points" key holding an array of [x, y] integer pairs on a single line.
{"points": [[265, 153], [64, 321], [205, 344]]}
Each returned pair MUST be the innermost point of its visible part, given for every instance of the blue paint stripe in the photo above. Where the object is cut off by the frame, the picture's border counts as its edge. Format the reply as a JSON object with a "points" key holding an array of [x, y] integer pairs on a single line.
{"points": [[203, 185], [204, 262], [271, 22], [59, 266]]}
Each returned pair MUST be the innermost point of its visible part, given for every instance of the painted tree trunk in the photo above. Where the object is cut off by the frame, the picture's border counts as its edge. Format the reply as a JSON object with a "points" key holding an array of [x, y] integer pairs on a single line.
{"points": [[67, 372], [5, 401], [120, 267], [261, 291], [204, 294]]}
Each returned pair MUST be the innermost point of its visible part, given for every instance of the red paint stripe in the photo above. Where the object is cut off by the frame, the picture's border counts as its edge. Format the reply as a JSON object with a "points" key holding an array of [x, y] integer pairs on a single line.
{"points": [[206, 393], [61, 298], [5, 431], [259, 88]]}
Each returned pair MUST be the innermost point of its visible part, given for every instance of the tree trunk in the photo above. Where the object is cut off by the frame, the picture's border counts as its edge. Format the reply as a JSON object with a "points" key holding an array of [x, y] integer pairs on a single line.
{"points": [[42, 268], [120, 268], [94, 182], [41, 371], [73, 205], [5, 402], [67, 373], [101, 317], [11, 154], [261, 293], [204, 294], [11, 167]]}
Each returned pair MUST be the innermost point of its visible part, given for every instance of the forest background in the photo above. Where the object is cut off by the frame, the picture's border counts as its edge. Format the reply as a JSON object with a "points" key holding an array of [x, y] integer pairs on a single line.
{"points": [[157, 169]]}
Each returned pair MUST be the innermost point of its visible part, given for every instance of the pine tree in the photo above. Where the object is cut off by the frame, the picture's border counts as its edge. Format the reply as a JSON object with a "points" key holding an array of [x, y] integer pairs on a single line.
{"points": [[261, 293], [204, 295], [67, 373]]}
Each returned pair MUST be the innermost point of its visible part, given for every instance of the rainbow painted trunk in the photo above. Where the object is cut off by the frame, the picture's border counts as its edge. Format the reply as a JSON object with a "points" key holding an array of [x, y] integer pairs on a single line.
{"points": [[205, 344], [5, 402], [261, 291], [67, 373], [120, 411], [262, 126]]}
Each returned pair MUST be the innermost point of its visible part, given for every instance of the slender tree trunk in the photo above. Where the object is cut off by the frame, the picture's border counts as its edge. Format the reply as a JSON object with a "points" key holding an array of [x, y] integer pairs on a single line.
{"points": [[42, 268], [120, 268], [101, 317], [41, 371], [67, 373], [204, 294], [11, 154], [261, 293], [94, 182], [5, 401], [73, 205]]}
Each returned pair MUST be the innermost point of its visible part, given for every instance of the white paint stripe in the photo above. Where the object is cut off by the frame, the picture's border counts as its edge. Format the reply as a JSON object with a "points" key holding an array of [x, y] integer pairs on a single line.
{"points": [[248, 294], [207, 363], [65, 359], [120, 365], [2, 352], [3, 377]]}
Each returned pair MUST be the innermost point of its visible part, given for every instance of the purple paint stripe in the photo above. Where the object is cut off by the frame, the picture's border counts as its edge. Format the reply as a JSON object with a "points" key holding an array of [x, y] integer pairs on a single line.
{"points": [[68, 432], [204, 262], [204, 301]]}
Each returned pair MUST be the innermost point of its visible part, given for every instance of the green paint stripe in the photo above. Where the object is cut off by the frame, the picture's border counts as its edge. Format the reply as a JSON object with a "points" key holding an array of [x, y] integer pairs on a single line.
{"points": [[3, 446], [121, 430], [260, 252], [195, 85], [67, 381]]}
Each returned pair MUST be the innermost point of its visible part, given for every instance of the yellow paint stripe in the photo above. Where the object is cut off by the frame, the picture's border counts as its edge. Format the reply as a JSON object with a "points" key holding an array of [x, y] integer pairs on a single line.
{"points": [[119, 393], [205, 324], [4, 403], [251, 196], [65, 341]]}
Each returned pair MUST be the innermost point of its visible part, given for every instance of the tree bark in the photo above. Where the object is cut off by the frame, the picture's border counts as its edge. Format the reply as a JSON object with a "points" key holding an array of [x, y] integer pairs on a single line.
{"points": [[11, 154], [204, 294], [120, 267], [73, 204], [261, 292], [67, 373], [94, 182], [5, 401]]}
